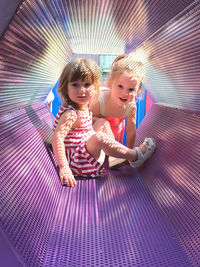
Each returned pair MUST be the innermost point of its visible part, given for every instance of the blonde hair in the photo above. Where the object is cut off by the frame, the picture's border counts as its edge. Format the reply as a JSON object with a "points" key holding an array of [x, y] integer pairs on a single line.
{"points": [[126, 64], [78, 69]]}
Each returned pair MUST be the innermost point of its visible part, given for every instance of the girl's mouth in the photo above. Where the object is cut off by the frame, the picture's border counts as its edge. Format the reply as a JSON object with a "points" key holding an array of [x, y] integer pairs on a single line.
{"points": [[123, 99]]}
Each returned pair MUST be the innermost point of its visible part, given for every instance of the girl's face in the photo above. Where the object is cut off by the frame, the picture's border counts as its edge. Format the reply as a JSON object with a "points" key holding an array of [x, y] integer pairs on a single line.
{"points": [[81, 92], [123, 89]]}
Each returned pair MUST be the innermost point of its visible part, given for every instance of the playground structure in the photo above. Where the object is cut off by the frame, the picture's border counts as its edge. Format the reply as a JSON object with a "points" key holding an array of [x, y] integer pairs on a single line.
{"points": [[144, 217]]}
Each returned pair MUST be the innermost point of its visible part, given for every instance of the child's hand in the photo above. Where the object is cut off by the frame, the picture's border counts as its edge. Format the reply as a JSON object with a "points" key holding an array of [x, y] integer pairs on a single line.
{"points": [[66, 177]]}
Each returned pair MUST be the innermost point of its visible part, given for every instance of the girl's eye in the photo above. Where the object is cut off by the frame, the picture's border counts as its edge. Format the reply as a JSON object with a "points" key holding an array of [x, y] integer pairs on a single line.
{"points": [[87, 85], [120, 86], [75, 84], [131, 89]]}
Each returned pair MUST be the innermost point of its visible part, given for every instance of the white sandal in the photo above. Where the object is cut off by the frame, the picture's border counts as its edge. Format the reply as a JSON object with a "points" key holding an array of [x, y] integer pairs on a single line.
{"points": [[151, 146]]}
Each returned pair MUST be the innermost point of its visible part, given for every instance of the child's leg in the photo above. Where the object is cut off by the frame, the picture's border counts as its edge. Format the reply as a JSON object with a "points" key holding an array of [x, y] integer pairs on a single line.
{"points": [[111, 147], [102, 125]]}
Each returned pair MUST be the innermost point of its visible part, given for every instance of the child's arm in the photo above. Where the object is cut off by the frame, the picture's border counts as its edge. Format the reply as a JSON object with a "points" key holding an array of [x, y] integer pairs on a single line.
{"points": [[131, 128], [95, 108], [65, 123]]}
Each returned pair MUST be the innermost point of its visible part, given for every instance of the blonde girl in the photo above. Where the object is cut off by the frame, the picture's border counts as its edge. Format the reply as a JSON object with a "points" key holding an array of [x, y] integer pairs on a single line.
{"points": [[117, 102]]}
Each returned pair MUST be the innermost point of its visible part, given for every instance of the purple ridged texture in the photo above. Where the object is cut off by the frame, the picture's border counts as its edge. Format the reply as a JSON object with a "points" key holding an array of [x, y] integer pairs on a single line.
{"points": [[7, 10], [112, 221], [148, 217], [43, 35], [172, 61], [33, 52], [130, 21], [108, 221], [7, 256], [30, 189], [173, 174]]}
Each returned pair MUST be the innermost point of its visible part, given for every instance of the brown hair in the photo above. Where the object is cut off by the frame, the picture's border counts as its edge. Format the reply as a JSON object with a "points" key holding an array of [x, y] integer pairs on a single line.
{"points": [[78, 68], [126, 64]]}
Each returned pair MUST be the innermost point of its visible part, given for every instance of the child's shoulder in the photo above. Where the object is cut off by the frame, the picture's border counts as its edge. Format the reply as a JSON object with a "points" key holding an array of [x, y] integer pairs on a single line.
{"points": [[66, 109], [67, 113], [65, 117]]}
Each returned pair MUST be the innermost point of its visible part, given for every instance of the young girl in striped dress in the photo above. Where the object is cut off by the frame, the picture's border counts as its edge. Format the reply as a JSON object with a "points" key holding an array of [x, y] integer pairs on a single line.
{"points": [[78, 149]]}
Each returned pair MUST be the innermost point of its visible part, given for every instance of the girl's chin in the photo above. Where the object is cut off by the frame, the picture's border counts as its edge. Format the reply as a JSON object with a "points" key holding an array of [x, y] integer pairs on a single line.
{"points": [[82, 101]]}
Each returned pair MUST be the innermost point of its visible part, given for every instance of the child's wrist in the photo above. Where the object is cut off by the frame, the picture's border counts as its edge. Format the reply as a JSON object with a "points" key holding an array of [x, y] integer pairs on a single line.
{"points": [[63, 166]]}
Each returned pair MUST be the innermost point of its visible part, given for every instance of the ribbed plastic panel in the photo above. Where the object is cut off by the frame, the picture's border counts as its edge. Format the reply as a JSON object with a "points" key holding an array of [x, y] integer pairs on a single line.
{"points": [[33, 52], [30, 187], [42, 35], [116, 220], [7, 10], [112, 221], [172, 61], [108, 221], [7, 256], [173, 175], [90, 25]]}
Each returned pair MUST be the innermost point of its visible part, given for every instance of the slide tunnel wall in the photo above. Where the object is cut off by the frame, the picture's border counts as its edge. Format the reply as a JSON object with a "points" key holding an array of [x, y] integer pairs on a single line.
{"points": [[37, 39]]}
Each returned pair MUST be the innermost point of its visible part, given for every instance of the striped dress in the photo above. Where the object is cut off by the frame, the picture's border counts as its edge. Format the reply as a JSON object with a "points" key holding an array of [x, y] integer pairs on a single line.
{"points": [[80, 161]]}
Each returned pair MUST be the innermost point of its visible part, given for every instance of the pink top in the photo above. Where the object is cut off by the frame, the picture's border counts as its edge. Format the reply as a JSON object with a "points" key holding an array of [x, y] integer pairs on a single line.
{"points": [[117, 124]]}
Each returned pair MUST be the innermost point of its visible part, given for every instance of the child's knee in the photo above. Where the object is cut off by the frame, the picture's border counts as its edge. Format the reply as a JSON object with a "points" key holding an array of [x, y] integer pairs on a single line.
{"points": [[99, 136]]}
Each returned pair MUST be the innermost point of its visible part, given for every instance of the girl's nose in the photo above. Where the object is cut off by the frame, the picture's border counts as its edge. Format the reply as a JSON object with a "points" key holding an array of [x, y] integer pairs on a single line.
{"points": [[126, 93], [83, 89]]}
